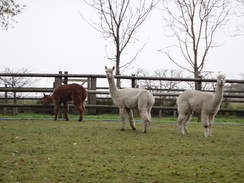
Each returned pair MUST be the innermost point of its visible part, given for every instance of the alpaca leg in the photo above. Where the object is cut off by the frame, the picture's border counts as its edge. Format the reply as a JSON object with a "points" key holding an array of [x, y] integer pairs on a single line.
{"points": [[56, 110], [147, 124], [182, 119], [82, 111], [211, 121], [145, 118], [123, 116], [144, 111], [179, 124], [80, 107], [131, 119], [210, 130], [206, 130], [186, 122], [66, 109], [206, 125], [186, 128], [78, 103], [149, 114]]}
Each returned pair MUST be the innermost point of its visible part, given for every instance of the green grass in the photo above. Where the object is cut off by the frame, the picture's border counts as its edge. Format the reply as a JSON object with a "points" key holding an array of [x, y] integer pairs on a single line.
{"points": [[96, 151], [236, 106], [230, 119]]}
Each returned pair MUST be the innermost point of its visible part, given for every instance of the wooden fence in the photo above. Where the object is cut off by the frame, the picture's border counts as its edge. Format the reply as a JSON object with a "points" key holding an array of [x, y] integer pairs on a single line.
{"points": [[95, 92]]}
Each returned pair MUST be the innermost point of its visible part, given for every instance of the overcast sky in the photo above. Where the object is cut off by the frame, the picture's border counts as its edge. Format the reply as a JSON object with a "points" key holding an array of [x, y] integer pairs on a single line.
{"points": [[51, 36]]}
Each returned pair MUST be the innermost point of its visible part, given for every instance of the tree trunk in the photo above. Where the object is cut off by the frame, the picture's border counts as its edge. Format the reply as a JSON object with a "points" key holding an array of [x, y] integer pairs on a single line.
{"points": [[118, 53], [198, 85], [117, 72]]}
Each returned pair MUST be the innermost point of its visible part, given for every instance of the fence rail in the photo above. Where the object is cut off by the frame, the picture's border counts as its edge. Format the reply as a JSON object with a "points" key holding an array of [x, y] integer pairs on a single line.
{"points": [[2, 89], [94, 90], [116, 76]]}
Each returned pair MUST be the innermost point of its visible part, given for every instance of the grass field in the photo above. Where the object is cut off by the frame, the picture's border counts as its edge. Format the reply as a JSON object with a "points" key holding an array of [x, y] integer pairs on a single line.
{"points": [[96, 151], [221, 119]]}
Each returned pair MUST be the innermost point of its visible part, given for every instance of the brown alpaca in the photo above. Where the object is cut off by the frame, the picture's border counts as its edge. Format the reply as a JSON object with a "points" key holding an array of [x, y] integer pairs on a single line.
{"points": [[65, 93]]}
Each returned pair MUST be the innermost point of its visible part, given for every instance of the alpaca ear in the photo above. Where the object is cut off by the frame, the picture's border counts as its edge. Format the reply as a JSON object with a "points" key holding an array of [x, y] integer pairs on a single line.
{"points": [[113, 68], [105, 67]]}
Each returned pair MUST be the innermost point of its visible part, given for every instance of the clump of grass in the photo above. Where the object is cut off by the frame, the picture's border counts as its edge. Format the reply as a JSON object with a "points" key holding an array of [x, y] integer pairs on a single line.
{"points": [[96, 151]]}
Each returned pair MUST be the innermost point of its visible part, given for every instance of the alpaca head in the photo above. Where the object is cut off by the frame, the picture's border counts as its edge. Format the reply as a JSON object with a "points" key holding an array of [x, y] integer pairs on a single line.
{"points": [[221, 80], [109, 72], [47, 99]]}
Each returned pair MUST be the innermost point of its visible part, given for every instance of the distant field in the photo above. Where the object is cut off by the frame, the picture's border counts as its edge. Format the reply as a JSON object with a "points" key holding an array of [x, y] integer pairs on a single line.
{"points": [[96, 151]]}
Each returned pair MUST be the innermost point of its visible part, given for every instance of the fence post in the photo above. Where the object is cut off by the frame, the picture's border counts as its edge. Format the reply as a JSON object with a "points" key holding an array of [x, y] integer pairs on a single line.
{"points": [[65, 78], [6, 101], [133, 81], [175, 112], [15, 109], [58, 82], [92, 98], [199, 87]]}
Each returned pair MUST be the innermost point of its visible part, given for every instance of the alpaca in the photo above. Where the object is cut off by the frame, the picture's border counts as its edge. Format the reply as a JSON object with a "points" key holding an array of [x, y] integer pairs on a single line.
{"points": [[65, 93], [205, 103], [131, 98]]}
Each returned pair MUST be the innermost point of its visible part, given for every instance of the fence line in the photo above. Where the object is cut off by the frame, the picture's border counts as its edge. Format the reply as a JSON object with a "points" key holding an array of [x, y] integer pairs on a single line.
{"points": [[94, 90]]}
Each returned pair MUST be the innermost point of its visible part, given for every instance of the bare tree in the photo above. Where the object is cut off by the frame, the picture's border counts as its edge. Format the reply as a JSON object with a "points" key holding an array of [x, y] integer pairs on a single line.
{"points": [[14, 81], [194, 24], [240, 14], [143, 84], [119, 21], [171, 73], [160, 85], [240, 7], [8, 10]]}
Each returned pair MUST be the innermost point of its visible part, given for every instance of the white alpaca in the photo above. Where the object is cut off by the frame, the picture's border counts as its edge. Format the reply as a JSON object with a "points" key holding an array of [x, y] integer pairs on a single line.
{"points": [[131, 98], [206, 103]]}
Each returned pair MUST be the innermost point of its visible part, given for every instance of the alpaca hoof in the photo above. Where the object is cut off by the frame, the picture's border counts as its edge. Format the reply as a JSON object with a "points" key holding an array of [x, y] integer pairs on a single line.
{"points": [[133, 128], [80, 119], [122, 129], [144, 131]]}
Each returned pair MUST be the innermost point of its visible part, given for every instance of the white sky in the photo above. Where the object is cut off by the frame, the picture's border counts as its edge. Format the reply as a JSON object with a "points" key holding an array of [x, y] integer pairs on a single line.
{"points": [[51, 36]]}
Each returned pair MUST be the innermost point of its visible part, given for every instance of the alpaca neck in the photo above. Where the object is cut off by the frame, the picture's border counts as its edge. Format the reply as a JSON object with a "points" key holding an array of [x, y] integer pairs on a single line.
{"points": [[50, 100], [218, 96], [112, 87]]}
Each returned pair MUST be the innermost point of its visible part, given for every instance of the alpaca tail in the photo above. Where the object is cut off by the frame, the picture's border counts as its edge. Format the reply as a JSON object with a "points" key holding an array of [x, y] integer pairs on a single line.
{"points": [[84, 94], [151, 100]]}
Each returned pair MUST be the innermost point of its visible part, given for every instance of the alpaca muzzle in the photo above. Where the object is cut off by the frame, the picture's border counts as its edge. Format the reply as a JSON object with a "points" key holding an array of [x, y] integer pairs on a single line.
{"points": [[222, 81]]}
